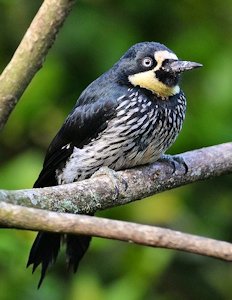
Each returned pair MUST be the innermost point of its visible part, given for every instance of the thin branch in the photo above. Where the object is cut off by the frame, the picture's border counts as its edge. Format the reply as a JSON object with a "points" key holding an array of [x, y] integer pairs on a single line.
{"points": [[29, 56], [102, 191], [35, 219]]}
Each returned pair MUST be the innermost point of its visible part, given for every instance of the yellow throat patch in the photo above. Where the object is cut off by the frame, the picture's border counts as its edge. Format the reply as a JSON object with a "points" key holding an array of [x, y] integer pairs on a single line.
{"points": [[148, 80]]}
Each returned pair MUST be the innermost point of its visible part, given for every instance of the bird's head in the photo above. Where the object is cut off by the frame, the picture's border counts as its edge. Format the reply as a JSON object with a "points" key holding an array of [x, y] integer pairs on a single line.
{"points": [[154, 67]]}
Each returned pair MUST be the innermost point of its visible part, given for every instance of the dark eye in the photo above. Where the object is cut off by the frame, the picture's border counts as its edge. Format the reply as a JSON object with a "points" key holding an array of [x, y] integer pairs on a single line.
{"points": [[147, 62]]}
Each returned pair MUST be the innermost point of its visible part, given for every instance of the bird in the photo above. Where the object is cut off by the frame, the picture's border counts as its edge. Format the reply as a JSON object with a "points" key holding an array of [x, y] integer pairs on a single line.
{"points": [[127, 117]]}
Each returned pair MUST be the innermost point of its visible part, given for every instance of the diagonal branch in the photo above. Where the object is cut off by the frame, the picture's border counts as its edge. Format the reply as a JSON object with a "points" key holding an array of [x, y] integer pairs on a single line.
{"points": [[35, 219], [29, 56], [102, 191]]}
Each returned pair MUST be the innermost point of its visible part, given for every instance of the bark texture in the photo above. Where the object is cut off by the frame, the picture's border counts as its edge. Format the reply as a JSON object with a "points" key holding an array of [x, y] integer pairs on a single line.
{"points": [[31, 53], [35, 219], [105, 191]]}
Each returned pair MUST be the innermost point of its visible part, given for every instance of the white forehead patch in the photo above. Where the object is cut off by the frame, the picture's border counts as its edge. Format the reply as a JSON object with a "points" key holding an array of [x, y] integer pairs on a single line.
{"points": [[160, 56], [164, 54]]}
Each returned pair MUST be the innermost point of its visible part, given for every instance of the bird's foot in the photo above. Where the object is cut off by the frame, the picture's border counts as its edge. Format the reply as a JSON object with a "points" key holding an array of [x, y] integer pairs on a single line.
{"points": [[114, 177], [179, 165]]}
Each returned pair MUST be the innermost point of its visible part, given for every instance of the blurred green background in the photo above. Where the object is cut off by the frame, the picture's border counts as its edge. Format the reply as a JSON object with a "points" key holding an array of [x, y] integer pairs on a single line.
{"points": [[94, 36]]}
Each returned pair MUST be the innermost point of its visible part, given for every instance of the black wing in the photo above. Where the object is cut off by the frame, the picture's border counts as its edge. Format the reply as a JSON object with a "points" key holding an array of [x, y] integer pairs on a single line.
{"points": [[84, 123]]}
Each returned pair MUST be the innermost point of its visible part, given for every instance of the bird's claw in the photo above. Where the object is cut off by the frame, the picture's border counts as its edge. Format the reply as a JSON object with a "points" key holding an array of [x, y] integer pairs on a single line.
{"points": [[177, 162], [115, 178]]}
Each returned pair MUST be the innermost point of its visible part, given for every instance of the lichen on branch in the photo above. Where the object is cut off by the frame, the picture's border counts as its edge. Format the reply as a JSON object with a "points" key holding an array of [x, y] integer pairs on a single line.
{"points": [[100, 192]]}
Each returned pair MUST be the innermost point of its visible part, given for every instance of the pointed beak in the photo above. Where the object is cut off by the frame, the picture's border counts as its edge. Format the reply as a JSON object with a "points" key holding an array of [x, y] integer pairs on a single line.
{"points": [[178, 66]]}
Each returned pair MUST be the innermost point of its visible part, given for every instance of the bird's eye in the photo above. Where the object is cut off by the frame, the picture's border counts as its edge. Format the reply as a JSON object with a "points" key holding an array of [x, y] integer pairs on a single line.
{"points": [[148, 62]]}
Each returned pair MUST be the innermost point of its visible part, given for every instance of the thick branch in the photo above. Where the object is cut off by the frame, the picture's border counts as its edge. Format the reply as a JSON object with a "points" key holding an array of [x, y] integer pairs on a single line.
{"points": [[28, 218], [31, 53], [100, 191]]}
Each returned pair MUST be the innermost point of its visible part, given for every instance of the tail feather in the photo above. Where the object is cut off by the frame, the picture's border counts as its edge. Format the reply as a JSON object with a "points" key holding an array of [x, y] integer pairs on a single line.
{"points": [[46, 246], [44, 251], [77, 245]]}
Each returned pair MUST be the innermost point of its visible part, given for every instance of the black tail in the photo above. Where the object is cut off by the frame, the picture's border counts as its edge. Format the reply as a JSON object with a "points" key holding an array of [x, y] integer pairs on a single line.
{"points": [[46, 246], [77, 245], [44, 251]]}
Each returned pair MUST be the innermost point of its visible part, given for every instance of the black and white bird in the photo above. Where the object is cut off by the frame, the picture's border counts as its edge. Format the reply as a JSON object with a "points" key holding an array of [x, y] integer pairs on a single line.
{"points": [[129, 116]]}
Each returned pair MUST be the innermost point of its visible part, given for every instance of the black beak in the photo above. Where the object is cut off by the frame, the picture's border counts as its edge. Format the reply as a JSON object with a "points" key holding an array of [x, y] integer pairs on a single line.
{"points": [[178, 66]]}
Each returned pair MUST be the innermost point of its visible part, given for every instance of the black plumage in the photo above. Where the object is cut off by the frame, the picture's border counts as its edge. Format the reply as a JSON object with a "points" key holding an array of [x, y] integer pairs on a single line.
{"points": [[129, 116]]}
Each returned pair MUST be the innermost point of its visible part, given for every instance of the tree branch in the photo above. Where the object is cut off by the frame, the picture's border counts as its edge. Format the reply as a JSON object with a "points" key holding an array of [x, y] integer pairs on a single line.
{"points": [[35, 219], [102, 191], [30, 54]]}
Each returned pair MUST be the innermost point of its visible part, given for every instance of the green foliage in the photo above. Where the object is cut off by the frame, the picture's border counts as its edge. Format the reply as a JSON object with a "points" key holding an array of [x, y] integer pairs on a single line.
{"points": [[95, 35]]}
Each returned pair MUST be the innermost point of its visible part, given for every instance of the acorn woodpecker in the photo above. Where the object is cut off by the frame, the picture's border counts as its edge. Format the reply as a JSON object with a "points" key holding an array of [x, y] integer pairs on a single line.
{"points": [[129, 116]]}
